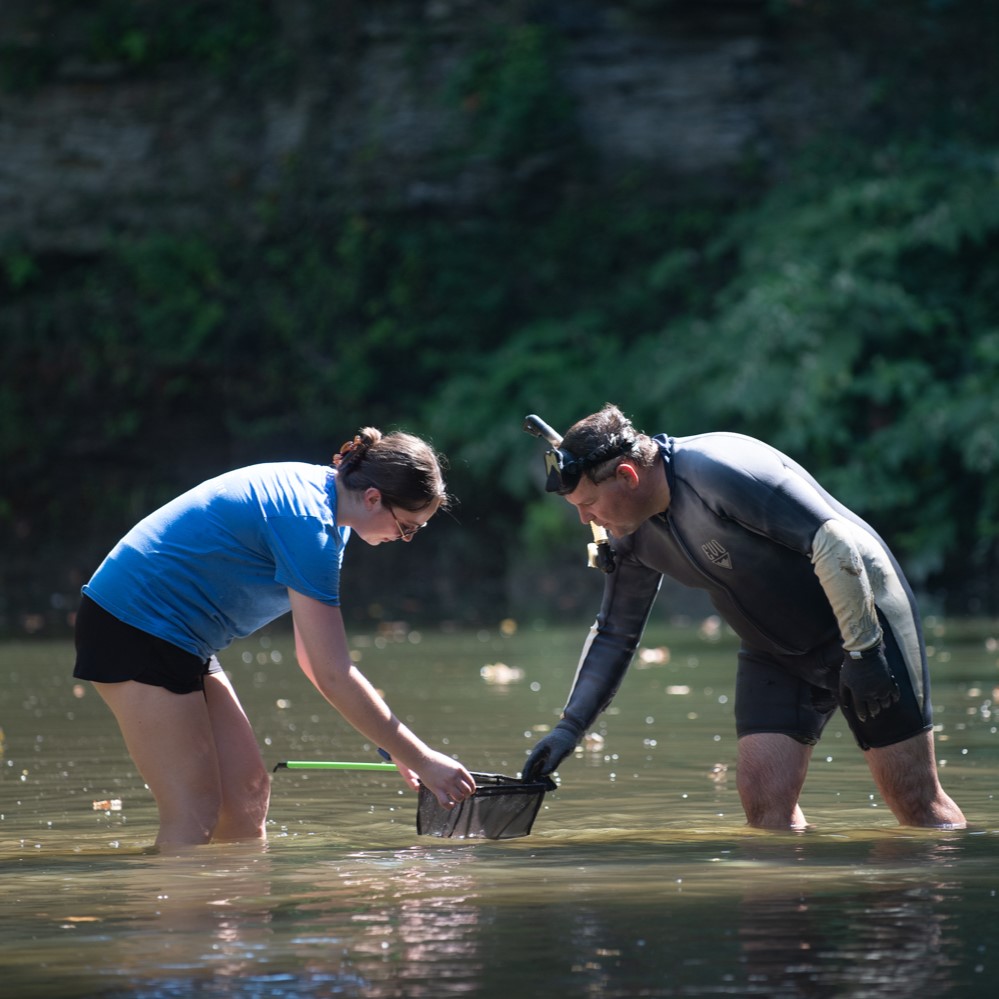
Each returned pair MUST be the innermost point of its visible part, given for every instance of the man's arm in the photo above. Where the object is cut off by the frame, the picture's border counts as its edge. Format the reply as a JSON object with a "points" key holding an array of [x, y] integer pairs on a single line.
{"points": [[629, 593], [840, 568], [866, 680]]}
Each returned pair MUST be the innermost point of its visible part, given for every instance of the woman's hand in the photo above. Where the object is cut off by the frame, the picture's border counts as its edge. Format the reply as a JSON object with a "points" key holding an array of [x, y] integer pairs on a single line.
{"points": [[446, 779]]}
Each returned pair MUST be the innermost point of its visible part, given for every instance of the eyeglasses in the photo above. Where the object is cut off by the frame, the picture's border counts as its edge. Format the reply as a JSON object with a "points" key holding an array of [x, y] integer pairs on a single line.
{"points": [[405, 533]]}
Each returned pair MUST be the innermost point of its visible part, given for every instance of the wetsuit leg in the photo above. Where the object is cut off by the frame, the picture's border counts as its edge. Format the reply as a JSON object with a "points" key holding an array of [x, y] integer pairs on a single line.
{"points": [[769, 698]]}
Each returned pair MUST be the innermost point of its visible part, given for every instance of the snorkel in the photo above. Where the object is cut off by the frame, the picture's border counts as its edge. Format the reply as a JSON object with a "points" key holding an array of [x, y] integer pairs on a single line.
{"points": [[563, 471]]}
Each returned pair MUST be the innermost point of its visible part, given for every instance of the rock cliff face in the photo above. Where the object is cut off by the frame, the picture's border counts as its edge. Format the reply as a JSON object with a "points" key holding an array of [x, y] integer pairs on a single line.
{"points": [[357, 114]]}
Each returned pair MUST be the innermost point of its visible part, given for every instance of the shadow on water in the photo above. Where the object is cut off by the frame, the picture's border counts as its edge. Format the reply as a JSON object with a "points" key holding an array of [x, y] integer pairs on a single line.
{"points": [[640, 878]]}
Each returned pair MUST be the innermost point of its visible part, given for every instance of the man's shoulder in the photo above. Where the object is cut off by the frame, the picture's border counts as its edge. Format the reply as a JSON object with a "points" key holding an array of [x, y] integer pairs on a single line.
{"points": [[725, 451]]}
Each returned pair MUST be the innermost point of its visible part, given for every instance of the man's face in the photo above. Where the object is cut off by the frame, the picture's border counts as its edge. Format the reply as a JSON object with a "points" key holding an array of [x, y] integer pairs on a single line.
{"points": [[612, 504]]}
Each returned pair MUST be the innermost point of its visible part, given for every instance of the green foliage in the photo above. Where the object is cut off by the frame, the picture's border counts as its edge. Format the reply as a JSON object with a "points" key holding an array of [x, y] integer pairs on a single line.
{"points": [[848, 316], [24, 68], [510, 90], [215, 34], [859, 336], [19, 268], [226, 38], [848, 319]]}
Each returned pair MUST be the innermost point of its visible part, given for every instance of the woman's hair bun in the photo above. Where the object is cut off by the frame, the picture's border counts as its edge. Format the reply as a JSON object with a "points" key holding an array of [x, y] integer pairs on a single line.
{"points": [[352, 452]]}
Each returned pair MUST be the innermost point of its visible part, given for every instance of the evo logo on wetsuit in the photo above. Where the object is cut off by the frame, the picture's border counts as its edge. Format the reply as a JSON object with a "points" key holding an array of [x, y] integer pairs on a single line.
{"points": [[717, 553]]}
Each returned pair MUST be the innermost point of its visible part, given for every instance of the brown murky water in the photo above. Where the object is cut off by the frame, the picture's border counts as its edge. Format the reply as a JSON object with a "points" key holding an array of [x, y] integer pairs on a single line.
{"points": [[640, 878]]}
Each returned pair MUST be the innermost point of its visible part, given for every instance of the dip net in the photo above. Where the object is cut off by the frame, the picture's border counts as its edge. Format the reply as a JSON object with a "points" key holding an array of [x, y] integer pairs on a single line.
{"points": [[501, 808]]}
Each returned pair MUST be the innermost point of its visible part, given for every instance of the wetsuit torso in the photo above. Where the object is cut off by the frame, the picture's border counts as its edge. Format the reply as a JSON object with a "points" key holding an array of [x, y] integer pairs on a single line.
{"points": [[778, 556]]}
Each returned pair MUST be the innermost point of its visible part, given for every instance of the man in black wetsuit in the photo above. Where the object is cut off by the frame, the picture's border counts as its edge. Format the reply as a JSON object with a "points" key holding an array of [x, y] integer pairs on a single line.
{"points": [[825, 615]]}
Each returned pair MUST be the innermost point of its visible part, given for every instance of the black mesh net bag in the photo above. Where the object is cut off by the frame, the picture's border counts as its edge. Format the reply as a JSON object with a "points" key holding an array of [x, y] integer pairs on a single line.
{"points": [[501, 808]]}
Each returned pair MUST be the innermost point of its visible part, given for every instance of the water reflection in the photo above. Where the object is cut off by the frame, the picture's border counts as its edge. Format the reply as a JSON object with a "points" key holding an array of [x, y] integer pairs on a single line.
{"points": [[745, 916], [802, 925], [407, 920], [887, 939], [640, 879]]}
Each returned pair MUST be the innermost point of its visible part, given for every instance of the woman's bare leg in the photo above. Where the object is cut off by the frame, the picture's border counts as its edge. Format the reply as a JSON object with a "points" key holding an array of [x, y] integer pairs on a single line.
{"points": [[199, 757], [246, 784], [170, 738]]}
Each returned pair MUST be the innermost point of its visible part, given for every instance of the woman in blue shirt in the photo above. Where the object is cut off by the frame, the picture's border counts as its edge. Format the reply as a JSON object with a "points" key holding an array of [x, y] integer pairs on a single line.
{"points": [[218, 563]]}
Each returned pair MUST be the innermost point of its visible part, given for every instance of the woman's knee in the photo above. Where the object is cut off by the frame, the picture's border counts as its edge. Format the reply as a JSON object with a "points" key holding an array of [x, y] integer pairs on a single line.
{"points": [[188, 818], [244, 811], [257, 795]]}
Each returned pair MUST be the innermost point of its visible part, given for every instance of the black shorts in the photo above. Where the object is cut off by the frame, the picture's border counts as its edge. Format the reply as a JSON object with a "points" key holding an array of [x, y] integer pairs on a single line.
{"points": [[797, 695], [110, 651]]}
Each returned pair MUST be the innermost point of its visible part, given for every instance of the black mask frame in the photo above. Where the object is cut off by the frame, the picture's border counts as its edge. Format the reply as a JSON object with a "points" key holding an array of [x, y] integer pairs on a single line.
{"points": [[563, 469]]}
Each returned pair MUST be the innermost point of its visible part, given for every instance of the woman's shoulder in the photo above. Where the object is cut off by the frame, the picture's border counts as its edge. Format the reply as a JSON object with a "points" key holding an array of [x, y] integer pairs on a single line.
{"points": [[279, 474], [290, 487]]}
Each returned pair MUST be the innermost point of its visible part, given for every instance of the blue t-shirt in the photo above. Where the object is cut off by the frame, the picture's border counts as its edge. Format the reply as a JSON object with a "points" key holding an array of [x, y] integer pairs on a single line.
{"points": [[216, 563]]}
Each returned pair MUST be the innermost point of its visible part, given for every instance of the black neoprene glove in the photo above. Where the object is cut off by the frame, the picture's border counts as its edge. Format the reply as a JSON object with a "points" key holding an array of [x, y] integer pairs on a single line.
{"points": [[866, 682], [551, 751]]}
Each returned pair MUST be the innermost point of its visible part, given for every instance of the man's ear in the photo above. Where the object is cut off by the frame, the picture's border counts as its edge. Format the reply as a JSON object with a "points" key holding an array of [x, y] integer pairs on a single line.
{"points": [[628, 475]]}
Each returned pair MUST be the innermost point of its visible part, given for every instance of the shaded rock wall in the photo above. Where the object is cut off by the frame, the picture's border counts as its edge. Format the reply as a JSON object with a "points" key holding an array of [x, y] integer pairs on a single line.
{"points": [[357, 114]]}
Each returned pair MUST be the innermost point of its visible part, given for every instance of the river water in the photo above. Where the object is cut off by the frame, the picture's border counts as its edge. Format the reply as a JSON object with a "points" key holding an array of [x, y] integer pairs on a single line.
{"points": [[639, 878]]}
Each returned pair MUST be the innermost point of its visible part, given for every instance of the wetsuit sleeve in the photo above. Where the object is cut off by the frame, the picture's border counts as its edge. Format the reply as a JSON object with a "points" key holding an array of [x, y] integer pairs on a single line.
{"points": [[629, 593], [840, 568]]}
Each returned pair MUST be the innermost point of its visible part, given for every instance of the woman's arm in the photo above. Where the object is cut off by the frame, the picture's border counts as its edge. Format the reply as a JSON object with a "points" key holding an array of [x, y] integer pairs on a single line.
{"points": [[323, 655]]}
